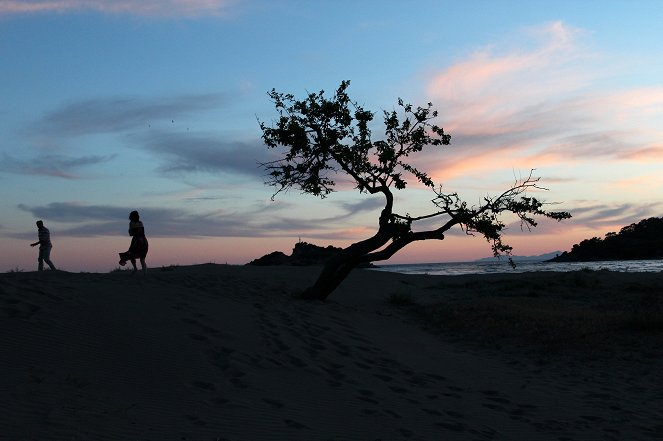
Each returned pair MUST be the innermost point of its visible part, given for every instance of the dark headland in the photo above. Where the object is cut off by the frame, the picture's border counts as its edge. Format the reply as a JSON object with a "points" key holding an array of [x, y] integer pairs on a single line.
{"points": [[638, 241]]}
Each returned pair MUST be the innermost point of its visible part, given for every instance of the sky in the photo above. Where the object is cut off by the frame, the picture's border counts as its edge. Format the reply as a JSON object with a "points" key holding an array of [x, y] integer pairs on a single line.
{"points": [[109, 106]]}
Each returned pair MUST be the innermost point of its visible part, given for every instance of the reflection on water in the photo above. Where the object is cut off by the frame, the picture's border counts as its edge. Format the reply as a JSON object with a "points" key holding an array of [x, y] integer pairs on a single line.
{"points": [[503, 266]]}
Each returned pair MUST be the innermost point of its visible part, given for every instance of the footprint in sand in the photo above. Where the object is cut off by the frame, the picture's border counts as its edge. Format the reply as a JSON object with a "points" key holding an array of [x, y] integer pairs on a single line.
{"points": [[385, 378], [195, 420], [204, 385], [398, 390], [19, 309], [454, 426], [367, 396], [209, 329], [406, 433], [295, 425], [392, 413], [274, 403], [220, 402], [237, 381], [454, 414], [198, 337]]}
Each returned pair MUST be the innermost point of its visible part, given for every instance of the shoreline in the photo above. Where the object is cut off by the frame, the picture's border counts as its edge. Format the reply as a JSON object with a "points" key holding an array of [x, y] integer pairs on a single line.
{"points": [[502, 267]]}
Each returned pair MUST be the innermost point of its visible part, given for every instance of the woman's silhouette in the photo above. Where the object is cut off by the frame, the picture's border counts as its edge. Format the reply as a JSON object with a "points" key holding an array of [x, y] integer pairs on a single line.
{"points": [[138, 247]]}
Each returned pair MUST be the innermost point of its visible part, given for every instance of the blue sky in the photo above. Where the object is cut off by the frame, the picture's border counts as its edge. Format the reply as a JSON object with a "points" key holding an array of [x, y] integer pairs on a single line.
{"points": [[111, 106]]}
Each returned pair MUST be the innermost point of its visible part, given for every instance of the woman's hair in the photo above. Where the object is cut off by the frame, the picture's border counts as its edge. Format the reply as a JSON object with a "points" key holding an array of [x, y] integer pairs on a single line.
{"points": [[133, 216]]}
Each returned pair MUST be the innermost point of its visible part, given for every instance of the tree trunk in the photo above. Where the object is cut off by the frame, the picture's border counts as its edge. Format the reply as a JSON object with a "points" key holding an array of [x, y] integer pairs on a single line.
{"points": [[341, 265], [329, 279]]}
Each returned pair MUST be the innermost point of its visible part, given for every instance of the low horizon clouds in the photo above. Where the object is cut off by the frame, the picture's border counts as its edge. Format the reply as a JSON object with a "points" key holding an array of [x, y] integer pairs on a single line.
{"points": [[142, 8], [93, 220], [258, 221]]}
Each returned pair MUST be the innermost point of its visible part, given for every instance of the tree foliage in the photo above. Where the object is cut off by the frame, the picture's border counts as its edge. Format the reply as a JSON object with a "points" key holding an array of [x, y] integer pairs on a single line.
{"points": [[322, 137], [326, 136]]}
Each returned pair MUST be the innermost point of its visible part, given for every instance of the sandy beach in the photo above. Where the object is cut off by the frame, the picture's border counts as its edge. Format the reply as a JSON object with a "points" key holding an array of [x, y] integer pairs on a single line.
{"points": [[221, 352]]}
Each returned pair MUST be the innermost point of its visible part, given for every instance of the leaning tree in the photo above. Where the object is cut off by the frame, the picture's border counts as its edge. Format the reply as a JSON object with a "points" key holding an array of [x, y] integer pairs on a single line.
{"points": [[320, 137]]}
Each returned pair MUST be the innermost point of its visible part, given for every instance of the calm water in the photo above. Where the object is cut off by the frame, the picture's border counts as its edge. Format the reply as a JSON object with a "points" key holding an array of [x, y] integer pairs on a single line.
{"points": [[503, 267]]}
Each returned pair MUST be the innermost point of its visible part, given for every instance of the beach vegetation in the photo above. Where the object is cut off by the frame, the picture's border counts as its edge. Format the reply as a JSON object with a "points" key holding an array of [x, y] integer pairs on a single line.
{"points": [[574, 312], [169, 267], [319, 138], [118, 269]]}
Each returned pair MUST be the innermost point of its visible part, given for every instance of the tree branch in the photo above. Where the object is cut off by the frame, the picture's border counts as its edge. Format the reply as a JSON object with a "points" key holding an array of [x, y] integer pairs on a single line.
{"points": [[401, 242]]}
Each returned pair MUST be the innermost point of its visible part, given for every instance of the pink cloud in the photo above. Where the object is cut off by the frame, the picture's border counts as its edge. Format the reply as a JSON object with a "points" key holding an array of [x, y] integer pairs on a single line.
{"points": [[541, 101], [148, 8], [645, 154], [493, 84]]}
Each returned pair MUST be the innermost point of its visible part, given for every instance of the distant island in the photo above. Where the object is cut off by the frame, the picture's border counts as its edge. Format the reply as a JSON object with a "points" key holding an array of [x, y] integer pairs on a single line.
{"points": [[539, 258], [303, 254], [641, 241]]}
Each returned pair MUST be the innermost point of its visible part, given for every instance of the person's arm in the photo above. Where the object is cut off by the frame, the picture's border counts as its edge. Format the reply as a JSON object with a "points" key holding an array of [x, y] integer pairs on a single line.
{"points": [[35, 244]]}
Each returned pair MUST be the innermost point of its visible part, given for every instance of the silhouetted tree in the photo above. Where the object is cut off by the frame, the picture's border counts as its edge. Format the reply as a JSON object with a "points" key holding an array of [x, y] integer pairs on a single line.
{"points": [[320, 137]]}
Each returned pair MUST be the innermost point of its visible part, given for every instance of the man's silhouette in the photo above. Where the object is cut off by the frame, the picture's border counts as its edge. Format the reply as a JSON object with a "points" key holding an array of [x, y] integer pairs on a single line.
{"points": [[45, 246]]}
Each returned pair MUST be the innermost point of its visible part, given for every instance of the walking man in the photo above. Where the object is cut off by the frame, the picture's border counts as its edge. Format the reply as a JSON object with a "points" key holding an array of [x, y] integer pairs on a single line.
{"points": [[45, 246]]}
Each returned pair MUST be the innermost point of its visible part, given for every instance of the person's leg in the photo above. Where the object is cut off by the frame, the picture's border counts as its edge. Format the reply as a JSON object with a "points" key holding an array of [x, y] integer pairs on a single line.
{"points": [[47, 258], [133, 262], [43, 255], [143, 265]]}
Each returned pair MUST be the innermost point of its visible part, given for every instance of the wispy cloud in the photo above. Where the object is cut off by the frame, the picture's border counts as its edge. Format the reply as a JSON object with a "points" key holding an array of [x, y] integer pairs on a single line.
{"points": [[116, 115], [372, 204], [186, 152], [59, 166], [146, 123], [144, 8], [497, 83], [599, 216]]}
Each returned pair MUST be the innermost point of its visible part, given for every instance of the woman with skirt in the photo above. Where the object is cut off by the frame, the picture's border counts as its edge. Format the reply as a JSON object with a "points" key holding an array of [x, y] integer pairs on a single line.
{"points": [[138, 247]]}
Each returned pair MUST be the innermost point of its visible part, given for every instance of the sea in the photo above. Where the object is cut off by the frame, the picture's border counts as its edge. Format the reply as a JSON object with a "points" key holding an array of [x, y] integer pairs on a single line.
{"points": [[502, 266]]}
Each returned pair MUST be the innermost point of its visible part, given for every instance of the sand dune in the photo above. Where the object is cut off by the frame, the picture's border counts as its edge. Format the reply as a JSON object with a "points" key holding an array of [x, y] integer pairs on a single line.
{"points": [[216, 352]]}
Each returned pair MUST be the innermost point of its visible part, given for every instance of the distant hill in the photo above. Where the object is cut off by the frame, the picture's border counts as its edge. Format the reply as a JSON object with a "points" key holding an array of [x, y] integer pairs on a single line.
{"points": [[539, 258], [643, 240]]}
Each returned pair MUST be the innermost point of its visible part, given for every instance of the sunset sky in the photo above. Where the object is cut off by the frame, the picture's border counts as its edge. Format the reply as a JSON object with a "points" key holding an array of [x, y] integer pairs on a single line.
{"points": [[109, 106]]}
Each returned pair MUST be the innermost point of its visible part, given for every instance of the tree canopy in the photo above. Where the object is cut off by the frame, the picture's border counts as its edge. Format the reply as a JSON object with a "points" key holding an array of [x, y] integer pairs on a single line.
{"points": [[331, 135]]}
